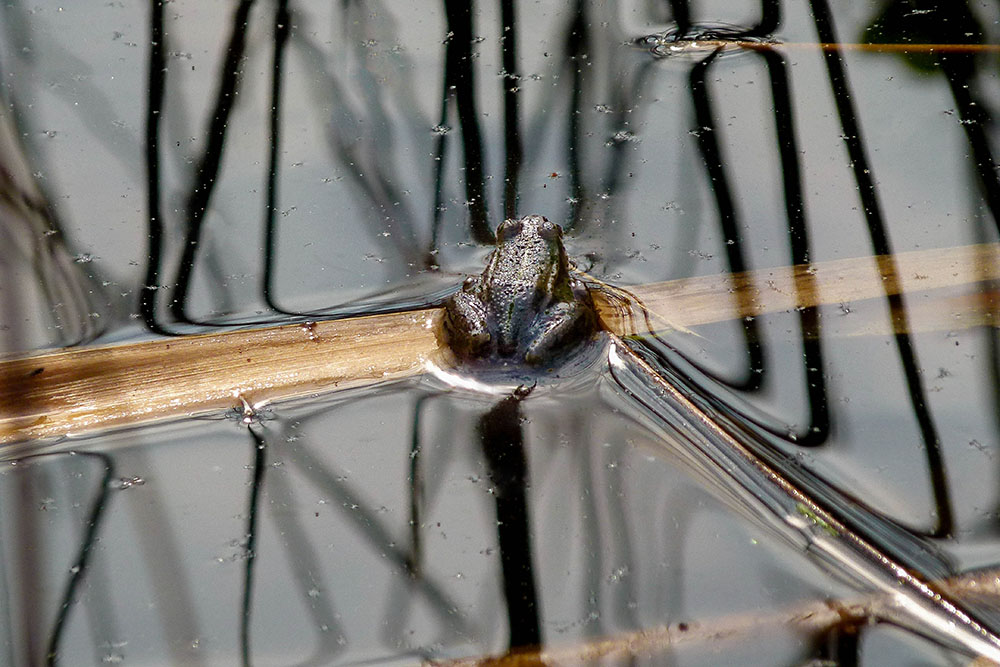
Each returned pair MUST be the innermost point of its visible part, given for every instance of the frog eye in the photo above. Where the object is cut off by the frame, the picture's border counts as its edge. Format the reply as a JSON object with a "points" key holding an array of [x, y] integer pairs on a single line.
{"points": [[508, 229], [549, 231]]}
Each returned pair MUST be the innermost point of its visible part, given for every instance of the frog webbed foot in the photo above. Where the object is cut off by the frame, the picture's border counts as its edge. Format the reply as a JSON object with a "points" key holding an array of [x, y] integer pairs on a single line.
{"points": [[561, 324], [466, 322]]}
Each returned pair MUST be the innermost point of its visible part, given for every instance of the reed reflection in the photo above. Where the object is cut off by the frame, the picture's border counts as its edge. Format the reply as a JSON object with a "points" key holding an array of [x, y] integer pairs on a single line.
{"points": [[881, 245], [165, 309], [816, 431]]}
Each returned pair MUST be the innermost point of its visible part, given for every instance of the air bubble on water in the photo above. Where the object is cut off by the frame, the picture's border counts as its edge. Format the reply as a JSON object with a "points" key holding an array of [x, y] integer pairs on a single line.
{"points": [[621, 137], [128, 482]]}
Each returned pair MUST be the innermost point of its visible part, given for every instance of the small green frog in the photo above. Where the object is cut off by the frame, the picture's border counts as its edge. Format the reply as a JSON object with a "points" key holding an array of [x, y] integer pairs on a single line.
{"points": [[525, 306]]}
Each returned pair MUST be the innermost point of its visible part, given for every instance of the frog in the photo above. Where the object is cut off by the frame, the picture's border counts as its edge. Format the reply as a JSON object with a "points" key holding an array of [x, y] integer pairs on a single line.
{"points": [[526, 307]]}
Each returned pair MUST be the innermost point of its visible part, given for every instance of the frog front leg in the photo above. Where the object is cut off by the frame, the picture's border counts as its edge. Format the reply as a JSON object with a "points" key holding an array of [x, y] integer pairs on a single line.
{"points": [[466, 320], [559, 324]]}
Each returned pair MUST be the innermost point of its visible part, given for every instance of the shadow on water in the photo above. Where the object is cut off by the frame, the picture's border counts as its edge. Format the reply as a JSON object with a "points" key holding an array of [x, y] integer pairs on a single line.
{"points": [[503, 446]]}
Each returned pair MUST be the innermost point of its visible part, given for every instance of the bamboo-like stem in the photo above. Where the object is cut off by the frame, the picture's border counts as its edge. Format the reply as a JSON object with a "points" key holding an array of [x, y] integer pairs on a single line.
{"points": [[78, 390], [81, 390]]}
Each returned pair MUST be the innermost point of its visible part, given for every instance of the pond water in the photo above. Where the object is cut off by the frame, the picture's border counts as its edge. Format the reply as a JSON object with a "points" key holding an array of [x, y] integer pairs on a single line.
{"points": [[187, 167]]}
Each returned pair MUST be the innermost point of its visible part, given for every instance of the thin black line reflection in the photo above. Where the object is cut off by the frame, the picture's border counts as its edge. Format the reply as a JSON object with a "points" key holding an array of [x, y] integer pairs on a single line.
{"points": [[868, 193], [282, 29], [416, 483], [512, 132], [79, 569], [726, 206], [302, 558], [818, 429], [207, 171], [577, 43], [212, 156], [250, 549], [157, 75]]}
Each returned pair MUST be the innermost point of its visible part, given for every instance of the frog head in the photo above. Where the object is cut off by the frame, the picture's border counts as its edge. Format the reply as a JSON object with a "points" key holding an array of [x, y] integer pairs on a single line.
{"points": [[530, 253]]}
